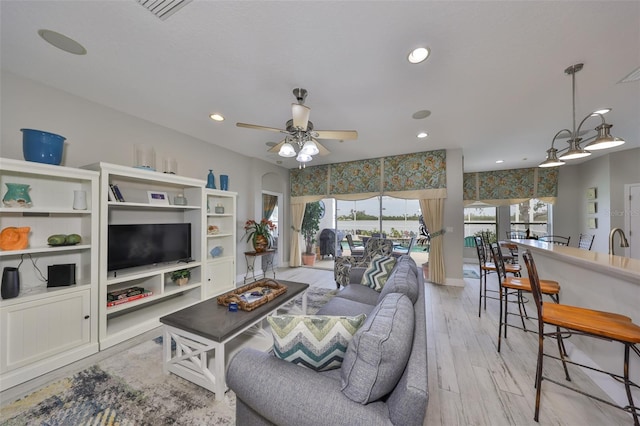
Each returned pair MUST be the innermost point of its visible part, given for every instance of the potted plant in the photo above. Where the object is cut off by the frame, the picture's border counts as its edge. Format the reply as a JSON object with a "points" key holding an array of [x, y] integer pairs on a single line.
{"points": [[181, 276], [259, 233], [309, 229]]}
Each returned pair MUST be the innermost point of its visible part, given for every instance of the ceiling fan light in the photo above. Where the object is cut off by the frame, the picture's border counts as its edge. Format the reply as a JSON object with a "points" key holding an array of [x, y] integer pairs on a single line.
{"points": [[552, 159], [303, 158], [604, 139], [574, 151], [286, 150], [310, 148]]}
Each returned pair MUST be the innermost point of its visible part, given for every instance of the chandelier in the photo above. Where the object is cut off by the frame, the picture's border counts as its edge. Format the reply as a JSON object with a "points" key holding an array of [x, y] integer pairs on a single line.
{"points": [[303, 141], [603, 139]]}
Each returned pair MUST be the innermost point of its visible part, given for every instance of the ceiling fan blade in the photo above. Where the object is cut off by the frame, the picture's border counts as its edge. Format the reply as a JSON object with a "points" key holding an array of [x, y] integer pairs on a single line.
{"points": [[276, 147], [336, 134], [300, 115], [255, 126], [321, 148]]}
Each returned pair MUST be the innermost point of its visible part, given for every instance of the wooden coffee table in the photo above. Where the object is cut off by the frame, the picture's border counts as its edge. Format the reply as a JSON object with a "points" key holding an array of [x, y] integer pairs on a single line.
{"points": [[207, 334]]}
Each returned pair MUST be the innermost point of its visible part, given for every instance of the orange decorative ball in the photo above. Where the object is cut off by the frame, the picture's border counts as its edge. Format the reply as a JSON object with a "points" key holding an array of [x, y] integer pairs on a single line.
{"points": [[13, 238]]}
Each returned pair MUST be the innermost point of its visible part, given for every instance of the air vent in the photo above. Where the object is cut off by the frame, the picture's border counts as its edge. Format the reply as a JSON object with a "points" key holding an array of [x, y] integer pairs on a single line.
{"points": [[634, 76], [163, 9]]}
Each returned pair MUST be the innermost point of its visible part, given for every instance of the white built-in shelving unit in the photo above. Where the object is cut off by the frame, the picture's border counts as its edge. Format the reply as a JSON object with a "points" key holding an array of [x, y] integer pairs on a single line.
{"points": [[221, 217], [122, 322], [46, 328]]}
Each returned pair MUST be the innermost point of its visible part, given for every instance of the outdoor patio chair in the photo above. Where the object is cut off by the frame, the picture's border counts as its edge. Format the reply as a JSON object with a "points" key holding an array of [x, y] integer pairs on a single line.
{"points": [[400, 250], [355, 249]]}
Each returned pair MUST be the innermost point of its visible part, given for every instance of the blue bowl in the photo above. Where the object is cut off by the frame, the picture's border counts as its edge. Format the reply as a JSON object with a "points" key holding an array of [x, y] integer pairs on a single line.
{"points": [[42, 147]]}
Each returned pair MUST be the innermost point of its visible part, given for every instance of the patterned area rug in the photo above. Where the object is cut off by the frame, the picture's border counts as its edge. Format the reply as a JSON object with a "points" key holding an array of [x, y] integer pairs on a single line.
{"points": [[130, 389]]}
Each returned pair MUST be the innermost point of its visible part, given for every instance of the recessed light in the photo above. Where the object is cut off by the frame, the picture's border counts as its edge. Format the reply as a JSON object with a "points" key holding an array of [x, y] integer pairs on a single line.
{"points": [[601, 111], [422, 135], [270, 144], [419, 115], [499, 161], [216, 117], [62, 42], [418, 55]]}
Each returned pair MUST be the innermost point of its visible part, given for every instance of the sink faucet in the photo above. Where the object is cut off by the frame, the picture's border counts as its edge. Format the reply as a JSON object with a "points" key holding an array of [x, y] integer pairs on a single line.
{"points": [[623, 239]]}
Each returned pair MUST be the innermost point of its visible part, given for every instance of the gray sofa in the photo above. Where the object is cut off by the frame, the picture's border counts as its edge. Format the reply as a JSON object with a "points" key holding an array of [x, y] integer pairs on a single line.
{"points": [[272, 391]]}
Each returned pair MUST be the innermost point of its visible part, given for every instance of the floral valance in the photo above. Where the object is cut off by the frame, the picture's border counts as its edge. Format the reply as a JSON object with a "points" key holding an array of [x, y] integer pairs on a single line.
{"points": [[420, 175], [506, 187]]}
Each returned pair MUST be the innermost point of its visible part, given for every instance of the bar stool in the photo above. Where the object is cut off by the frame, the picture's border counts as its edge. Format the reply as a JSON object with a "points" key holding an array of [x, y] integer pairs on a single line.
{"points": [[516, 286], [487, 268], [585, 322]]}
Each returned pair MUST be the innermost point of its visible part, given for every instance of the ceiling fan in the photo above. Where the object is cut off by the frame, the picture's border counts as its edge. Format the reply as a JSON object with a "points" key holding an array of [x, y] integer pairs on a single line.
{"points": [[301, 134]]}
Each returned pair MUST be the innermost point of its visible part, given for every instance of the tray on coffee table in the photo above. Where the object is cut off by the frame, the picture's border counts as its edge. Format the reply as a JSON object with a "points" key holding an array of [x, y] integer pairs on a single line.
{"points": [[265, 289]]}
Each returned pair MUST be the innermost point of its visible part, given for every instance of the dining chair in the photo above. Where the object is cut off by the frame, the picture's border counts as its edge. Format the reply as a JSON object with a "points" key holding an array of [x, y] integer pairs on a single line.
{"points": [[580, 321], [585, 241], [555, 239], [516, 235]]}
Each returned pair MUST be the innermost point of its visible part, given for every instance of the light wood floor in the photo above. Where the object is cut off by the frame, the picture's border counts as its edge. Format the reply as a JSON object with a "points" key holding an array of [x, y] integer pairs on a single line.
{"points": [[470, 383]]}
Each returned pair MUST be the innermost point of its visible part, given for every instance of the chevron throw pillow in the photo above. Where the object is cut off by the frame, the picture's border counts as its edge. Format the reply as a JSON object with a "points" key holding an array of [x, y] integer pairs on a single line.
{"points": [[313, 341], [378, 271]]}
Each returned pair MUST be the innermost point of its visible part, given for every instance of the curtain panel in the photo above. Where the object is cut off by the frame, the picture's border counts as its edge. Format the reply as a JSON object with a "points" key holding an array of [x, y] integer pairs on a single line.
{"points": [[513, 186]]}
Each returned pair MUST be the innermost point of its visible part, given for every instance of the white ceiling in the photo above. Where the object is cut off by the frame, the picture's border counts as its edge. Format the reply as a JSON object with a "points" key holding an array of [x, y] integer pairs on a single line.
{"points": [[494, 82]]}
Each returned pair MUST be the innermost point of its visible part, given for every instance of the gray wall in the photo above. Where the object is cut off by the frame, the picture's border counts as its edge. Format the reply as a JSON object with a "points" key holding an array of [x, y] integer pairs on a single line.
{"points": [[96, 133], [608, 173]]}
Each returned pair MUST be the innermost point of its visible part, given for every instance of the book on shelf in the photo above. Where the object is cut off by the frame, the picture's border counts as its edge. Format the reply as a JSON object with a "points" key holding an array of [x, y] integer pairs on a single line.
{"points": [[115, 192], [112, 193], [125, 292], [129, 298]]}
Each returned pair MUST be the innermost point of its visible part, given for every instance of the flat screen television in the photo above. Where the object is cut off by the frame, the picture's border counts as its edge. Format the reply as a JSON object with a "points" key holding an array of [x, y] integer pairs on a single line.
{"points": [[147, 244]]}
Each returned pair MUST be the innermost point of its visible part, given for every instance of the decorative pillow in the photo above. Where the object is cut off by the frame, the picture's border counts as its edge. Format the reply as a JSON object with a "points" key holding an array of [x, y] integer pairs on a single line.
{"points": [[378, 353], [376, 274], [313, 341]]}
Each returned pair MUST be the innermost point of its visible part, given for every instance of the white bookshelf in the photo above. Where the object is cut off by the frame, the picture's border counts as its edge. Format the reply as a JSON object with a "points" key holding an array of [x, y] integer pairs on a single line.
{"points": [[46, 328]]}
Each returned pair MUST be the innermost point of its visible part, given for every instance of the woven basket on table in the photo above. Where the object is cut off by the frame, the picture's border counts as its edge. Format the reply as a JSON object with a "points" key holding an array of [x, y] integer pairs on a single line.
{"points": [[234, 296]]}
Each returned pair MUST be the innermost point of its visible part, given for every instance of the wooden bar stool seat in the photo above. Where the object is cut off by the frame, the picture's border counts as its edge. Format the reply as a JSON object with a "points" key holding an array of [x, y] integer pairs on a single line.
{"points": [[585, 322], [548, 287]]}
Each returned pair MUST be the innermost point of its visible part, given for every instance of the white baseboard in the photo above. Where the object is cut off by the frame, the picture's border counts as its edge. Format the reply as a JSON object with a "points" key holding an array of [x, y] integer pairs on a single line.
{"points": [[455, 282]]}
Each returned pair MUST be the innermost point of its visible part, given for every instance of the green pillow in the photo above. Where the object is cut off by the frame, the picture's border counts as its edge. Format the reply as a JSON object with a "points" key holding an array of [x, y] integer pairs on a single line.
{"points": [[376, 274], [313, 341]]}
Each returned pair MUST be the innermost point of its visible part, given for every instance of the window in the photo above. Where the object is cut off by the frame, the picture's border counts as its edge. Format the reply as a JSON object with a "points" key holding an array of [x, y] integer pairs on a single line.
{"points": [[532, 215], [477, 219], [395, 218]]}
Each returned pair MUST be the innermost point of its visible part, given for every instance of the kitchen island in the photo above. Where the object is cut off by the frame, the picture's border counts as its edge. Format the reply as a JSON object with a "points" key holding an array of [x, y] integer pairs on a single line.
{"points": [[596, 281]]}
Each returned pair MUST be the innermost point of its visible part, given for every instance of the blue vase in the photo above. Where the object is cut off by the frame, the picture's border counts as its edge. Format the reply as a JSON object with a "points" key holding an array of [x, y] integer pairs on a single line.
{"points": [[224, 182], [17, 195], [211, 180]]}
